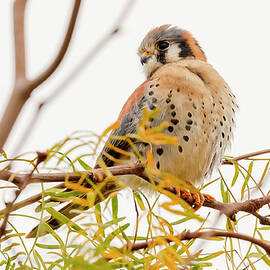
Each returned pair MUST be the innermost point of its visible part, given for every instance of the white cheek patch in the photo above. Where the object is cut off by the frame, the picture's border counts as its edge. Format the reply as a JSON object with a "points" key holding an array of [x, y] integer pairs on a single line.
{"points": [[151, 65], [172, 54]]}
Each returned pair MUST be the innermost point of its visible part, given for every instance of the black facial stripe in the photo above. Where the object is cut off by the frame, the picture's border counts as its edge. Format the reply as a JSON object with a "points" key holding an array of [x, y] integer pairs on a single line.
{"points": [[162, 57], [185, 49]]}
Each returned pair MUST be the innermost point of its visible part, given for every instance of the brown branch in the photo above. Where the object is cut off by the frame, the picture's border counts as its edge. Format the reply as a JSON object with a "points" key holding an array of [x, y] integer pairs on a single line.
{"points": [[22, 86], [93, 52], [246, 156], [204, 235], [63, 49], [97, 175], [19, 12], [9, 206]]}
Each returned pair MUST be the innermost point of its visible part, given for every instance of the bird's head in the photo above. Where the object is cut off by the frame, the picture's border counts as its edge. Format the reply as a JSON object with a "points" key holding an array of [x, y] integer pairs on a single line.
{"points": [[167, 44]]}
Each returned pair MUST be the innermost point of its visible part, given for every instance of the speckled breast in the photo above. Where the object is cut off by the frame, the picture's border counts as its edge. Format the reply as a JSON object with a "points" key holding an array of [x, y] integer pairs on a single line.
{"points": [[199, 107]]}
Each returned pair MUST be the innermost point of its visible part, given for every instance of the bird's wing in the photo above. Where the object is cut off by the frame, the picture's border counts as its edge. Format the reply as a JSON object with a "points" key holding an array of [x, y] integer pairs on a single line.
{"points": [[129, 117]]}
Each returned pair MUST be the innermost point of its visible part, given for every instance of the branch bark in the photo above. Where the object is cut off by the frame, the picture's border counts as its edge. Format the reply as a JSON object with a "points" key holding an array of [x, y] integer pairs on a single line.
{"points": [[204, 235], [22, 86], [97, 175]]}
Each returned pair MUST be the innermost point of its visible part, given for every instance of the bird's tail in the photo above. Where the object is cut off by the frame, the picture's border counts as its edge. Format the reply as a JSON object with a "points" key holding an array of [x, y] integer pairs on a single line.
{"points": [[69, 212]]}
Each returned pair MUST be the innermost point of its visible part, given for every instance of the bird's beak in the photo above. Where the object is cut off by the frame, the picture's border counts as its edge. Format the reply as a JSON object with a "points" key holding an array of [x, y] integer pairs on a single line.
{"points": [[145, 57]]}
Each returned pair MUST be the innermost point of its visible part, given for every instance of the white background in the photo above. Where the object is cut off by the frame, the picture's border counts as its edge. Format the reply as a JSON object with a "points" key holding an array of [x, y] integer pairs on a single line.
{"points": [[234, 35]]}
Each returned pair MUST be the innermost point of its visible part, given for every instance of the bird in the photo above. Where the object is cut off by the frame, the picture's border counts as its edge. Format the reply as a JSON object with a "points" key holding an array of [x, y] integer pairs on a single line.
{"points": [[193, 99]]}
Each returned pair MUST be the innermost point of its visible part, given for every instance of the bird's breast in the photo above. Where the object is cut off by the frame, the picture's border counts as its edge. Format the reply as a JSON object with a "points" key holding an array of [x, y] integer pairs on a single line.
{"points": [[199, 107]]}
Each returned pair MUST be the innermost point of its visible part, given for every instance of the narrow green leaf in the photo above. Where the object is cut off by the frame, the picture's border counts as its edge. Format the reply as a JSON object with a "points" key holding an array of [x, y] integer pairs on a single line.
{"points": [[10, 247], [65, 220], [246, 179], [211, 256], [182, 220], [111, 236], [139, 201], [36, 259], [115, 207], [84, 165], [264, 172], [236, 174], [39, 258], [223, 193], [266, 228]]}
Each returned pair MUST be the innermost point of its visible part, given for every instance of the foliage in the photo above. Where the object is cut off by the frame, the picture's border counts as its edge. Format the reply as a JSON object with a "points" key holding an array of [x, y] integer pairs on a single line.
{"points": [[102, 237]]}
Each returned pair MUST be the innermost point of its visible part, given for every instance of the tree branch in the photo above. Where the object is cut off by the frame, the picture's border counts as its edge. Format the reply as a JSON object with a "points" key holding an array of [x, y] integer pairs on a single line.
{"points": [[97, 175], [246, 156], [205, 235], [22, 86]]}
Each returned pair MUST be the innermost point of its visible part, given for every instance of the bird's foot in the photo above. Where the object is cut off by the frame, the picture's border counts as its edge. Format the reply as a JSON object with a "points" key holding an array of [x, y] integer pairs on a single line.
{"points": [[195, 199], [209, 197]]}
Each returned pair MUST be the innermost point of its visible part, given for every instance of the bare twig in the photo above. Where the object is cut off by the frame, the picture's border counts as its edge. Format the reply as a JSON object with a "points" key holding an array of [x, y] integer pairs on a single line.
{"points": [[22, 86], [76, 71], [246, 156], [205, 235]]}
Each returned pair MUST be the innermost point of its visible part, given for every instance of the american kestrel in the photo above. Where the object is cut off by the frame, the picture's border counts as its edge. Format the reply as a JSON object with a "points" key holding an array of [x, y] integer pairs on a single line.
{"points": [[192, 97]]}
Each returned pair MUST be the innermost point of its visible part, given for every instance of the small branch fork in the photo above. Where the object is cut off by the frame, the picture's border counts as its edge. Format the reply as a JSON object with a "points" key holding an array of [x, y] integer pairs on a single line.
{"points": [[22, 86]]}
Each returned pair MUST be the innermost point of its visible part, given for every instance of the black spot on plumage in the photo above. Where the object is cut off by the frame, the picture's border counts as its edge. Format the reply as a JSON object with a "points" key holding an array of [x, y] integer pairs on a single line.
{"points": [[189, 122], [158, 165], [188, 127], [194, 106], [168, 100], [170, 95], [157, 85], [186, 138], [178, 90], [223, 135], [172, 106], [220, 144], [151, 85], [151, 93], [189, 114], [221, 123], [170, 128], [180, 149], [152, 107], [154, 100], [173, 114], [175, 121], [224, 118], [159, 151]]}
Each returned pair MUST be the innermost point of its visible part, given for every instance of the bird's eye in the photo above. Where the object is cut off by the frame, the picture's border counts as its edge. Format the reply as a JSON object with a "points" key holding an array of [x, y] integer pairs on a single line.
{"points": [[162, 45]]}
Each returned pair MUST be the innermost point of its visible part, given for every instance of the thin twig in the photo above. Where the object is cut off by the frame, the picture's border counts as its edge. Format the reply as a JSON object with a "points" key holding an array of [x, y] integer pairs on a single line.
{"points": [[246, 156], [22, 86], [205, 235], [75, 72]]}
